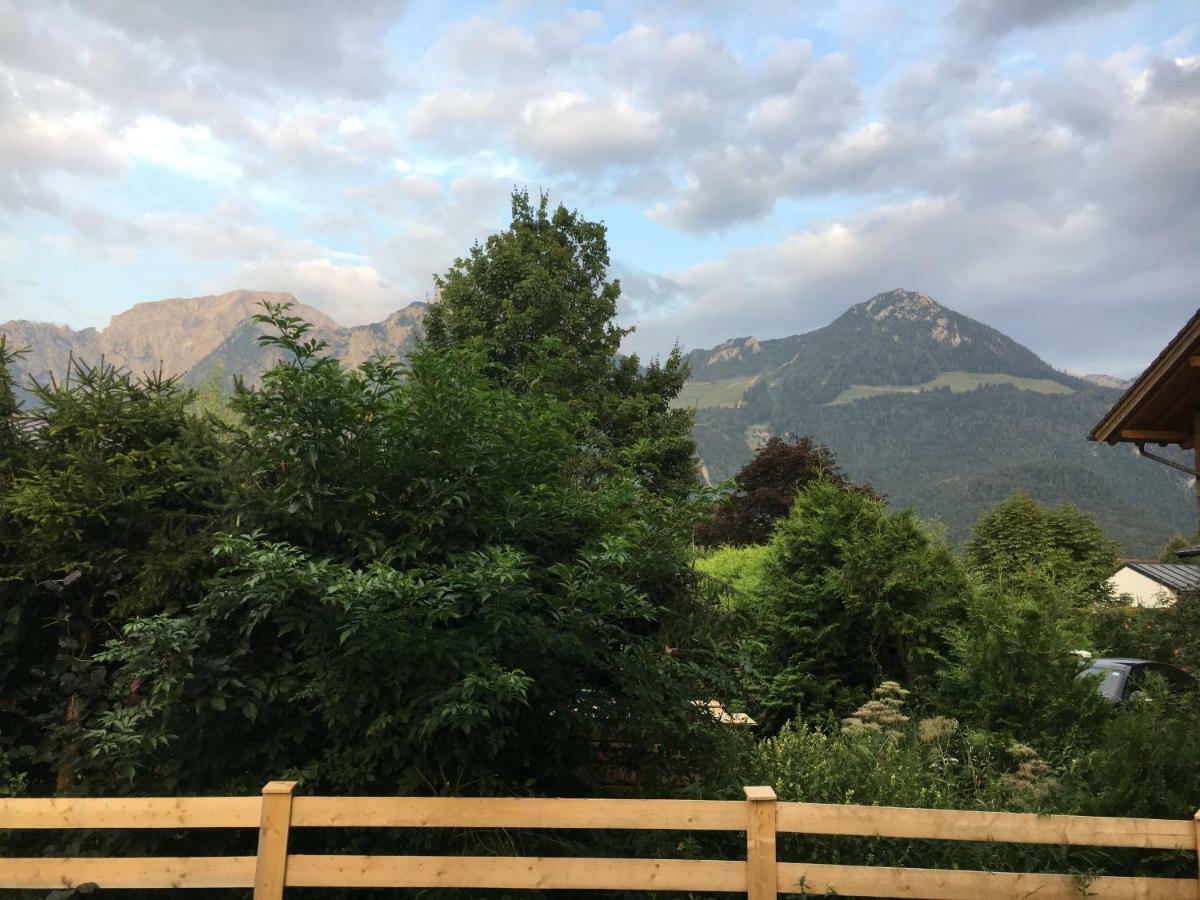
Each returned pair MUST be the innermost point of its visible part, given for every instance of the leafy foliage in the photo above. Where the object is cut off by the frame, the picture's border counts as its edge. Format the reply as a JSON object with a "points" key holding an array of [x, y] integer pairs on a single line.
{"points": [[858, 595], [765, 489], [431, 597], [742, 568], [474, 574], [538, 301], [1012, 669], [1020, 537], [1168, 634]]}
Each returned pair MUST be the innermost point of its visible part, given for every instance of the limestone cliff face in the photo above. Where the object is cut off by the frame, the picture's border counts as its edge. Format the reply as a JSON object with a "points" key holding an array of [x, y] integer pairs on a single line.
{"points": [[198, 336]]}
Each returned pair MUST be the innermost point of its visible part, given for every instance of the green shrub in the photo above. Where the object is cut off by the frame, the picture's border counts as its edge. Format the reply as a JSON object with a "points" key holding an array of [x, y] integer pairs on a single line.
{"points": [[1020, 537], [1146, 761], [742, 568], [1012, 671], [854, 595]]}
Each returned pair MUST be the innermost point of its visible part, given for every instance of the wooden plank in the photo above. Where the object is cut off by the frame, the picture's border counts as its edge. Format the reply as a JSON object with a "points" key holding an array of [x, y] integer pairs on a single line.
{"points": [[129, 872], [1196, 453], [967, 825], [1181, 346], [270, 872], [760, 843], [129, 812], [1146, 434], [488, 812], [946, 884], [516, 872]]}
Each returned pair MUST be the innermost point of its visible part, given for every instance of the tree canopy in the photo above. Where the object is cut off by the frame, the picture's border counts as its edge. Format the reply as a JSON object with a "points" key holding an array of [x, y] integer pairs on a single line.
{"points": [[765, 489], [1020, 536], [858, 595], [538, 301]]}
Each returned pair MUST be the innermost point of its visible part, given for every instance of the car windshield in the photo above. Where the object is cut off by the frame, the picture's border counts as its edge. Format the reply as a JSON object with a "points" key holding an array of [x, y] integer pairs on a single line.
{"points": [[1109, 679]]}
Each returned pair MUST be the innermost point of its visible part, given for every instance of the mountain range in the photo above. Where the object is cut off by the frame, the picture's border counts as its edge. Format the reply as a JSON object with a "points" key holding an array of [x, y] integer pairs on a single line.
{"points": [[201, 337], [931, 407]]}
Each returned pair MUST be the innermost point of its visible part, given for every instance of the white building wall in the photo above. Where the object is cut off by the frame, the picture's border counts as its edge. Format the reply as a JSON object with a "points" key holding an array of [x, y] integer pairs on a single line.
{"points": [[1142, 590]]}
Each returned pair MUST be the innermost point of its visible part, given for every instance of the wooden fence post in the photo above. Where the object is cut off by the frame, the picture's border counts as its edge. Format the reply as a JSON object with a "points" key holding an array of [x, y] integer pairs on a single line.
{"points": [[270, 871], [1196, 820], [761, 877]]}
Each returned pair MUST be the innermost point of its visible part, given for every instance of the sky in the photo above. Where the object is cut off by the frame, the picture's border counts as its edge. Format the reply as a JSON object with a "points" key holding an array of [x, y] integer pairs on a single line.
{"points": [[760, 166]]}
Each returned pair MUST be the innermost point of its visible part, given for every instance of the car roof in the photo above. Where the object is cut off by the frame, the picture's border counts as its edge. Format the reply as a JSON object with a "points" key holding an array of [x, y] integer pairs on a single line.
{"points": [[1123, 661]]}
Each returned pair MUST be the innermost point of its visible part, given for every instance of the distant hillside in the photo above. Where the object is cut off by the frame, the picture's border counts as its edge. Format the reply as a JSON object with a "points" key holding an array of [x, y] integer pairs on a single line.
{"points": [[937, 411], [933, 408], [896, 338], [1110, 381], [198, 336]]}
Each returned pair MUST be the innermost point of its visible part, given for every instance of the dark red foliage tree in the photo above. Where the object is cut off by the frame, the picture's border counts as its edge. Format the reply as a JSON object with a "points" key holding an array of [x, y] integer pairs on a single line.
{"points": [[766, 487]]}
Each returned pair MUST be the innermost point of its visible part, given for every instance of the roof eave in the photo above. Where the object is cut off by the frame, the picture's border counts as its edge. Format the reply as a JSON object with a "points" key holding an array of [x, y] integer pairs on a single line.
{"points": [[1108, 429]]}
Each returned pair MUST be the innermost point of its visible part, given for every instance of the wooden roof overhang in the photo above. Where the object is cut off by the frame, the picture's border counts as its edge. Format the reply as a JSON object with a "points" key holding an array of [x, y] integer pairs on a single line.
{"points": [[1161, 407]]}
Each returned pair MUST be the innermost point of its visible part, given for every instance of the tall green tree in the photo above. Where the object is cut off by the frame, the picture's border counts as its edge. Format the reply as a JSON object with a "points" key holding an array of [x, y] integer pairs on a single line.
{"points": [[107, 514], [1178, 541], [1020, 537], [422, 595], [537, 298], [12, 443], [857, 595]]}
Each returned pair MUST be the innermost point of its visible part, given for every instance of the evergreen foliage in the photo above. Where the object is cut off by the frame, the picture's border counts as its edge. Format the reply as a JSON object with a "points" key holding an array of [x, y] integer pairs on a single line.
{"points": [[108, 512], [1170, 551], [858, 595], [538, 300], [1012, 666], [1020, 537]]}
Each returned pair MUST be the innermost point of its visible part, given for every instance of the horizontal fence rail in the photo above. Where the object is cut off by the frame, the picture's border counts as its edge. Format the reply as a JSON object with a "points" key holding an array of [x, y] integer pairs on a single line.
{"points": [[759, 876]]}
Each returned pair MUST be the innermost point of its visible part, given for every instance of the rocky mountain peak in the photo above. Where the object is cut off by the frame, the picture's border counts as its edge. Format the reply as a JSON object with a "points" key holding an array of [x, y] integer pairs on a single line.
{"points": [[200, 336], [917, 311], [734, 348], [901, 304]]}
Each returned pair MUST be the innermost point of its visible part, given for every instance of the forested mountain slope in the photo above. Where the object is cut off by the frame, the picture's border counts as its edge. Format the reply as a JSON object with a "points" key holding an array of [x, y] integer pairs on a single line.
{"points": [[935, 410], [932, 407]]}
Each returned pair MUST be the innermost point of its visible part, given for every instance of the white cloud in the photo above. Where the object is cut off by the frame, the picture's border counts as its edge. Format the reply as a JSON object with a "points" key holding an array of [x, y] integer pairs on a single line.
{"points": [[35, 147], [570, 130], [348, 293], [191, 150], [929, 149]]}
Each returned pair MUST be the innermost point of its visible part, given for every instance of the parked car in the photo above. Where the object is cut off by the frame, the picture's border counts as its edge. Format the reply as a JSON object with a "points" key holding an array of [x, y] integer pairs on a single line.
{"points": [[1120, 679]]}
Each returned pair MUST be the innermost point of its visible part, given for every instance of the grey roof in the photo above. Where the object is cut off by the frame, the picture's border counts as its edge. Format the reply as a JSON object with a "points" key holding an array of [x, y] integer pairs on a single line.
{"points": [[1176, 576], [1186, 552]]}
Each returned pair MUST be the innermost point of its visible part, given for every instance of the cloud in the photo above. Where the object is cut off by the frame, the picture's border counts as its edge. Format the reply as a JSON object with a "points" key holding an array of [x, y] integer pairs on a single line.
{"points": [[993, 19], [191, 150], [349, 293], [571, 131], [269, 45], [1023, 225], [805, 158], [33, 147]]}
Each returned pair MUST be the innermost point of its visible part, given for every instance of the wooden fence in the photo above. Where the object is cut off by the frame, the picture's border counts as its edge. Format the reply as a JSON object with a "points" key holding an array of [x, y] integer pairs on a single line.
{"points": [[759, 876]]}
